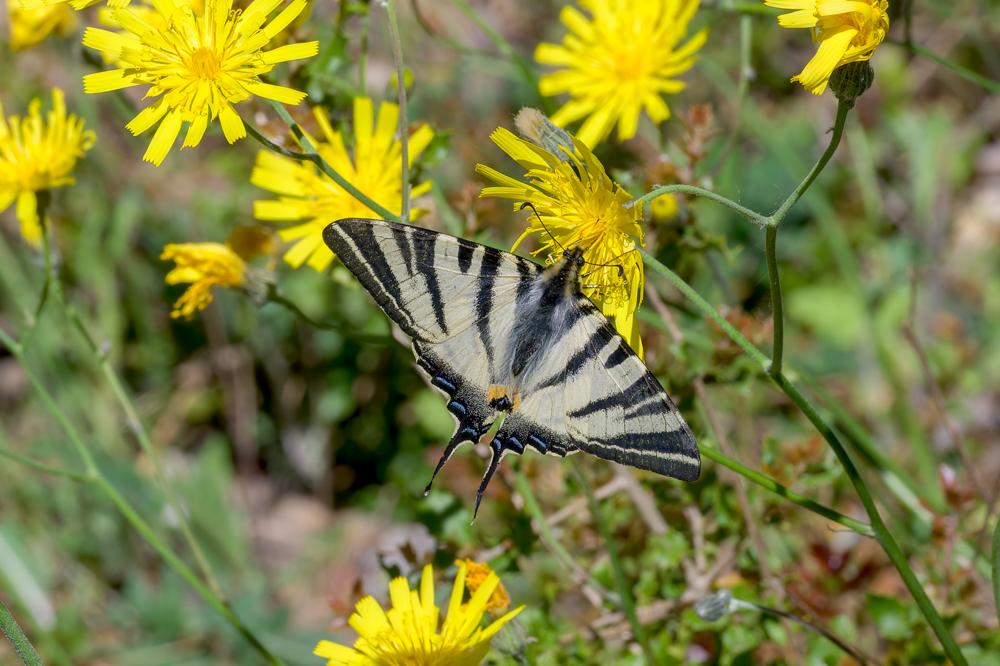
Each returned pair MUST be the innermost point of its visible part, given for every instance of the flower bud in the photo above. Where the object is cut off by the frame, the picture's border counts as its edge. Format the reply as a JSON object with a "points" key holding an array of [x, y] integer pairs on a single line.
{"points": [[850, 81]]}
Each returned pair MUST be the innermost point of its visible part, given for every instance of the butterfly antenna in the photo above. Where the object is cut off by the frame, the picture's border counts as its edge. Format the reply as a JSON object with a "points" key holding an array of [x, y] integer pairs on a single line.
{"points": [[621, 269], [496, 453], [528, 204]]}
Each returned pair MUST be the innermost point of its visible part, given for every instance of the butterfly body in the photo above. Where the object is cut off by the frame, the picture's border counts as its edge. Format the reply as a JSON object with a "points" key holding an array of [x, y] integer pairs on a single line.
{"points": [[499, 335]]}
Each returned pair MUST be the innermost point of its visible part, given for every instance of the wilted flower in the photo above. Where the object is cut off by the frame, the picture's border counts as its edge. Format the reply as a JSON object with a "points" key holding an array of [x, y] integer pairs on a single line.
{"points": [[310, 197], [476, 575], [846, 32], [38, 154], [407, 634], [619, 61], [203, 266], [578, 205], [198, 64]]}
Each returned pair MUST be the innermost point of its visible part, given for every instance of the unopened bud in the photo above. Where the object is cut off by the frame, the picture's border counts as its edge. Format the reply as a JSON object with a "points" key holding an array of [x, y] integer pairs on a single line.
{"points": [[848, 82], [714, 606]]}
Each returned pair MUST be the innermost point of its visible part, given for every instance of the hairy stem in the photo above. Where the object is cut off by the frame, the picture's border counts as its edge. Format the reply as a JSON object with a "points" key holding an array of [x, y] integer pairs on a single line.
{"points": [[12, 630]]}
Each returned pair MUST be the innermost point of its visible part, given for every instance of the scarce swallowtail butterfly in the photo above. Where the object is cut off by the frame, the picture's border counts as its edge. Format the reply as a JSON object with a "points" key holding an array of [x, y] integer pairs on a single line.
{"points": [[497, 333]]}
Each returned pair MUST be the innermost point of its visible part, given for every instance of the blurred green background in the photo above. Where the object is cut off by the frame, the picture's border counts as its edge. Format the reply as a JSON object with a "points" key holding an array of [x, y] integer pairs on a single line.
{"points": [[301, 454]]}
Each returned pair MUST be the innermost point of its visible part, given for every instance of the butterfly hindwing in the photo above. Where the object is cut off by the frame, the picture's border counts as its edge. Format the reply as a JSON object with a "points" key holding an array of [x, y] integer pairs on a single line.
{"points": [[498, 334]]}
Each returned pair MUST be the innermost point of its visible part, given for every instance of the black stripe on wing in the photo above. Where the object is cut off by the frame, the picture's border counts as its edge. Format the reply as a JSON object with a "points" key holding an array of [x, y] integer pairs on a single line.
{"points": [[354, 242]]}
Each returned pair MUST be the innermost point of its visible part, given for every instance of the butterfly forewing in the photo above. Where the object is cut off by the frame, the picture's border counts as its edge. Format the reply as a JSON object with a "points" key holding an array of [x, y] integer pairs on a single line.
{"points": [[497, 333]]}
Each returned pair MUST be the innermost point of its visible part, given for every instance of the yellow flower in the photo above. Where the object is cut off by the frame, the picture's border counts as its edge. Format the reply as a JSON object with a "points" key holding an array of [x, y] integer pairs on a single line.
{"points": [[618, 62], [30, 25], [407, 634], [578, 205], [197, 63], [307, 195], [37, 154], [846, 32], [203, 265], [476, 574]]}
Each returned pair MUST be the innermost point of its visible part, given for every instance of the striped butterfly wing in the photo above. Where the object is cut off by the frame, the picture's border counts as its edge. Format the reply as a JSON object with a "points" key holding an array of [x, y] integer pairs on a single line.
{"points": [[472, 311], [595, 395]]}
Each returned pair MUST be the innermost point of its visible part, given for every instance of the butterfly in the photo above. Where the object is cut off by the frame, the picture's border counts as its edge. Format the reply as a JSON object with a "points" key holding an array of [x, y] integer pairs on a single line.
{"points": [[500, 335]]}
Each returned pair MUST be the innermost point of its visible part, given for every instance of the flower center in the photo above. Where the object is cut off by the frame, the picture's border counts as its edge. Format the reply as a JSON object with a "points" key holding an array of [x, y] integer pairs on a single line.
{"points": [[205, 64]]}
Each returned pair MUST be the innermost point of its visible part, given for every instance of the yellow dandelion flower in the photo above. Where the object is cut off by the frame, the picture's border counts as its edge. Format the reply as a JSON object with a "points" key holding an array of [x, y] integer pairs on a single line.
{"points": [[307, 195], [846, 32], [476, 574], [408, 632], [578, 205], [38, 154], [619, 61], [203, 266], [30, 25], [198, 64]]}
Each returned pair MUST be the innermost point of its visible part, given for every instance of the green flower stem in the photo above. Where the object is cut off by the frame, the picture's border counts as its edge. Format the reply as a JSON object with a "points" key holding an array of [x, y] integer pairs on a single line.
{"points": [[771, 238], [45, 468], [276, 297], [126, 509], [549, 539], [131, 417], [311, 155], [996, 567], [404, 124], [22, 646], [882, 533], [777, 304], [770, 484], [618, 571], [838, 132], [753, 216], [966, 73], [504, 47]]}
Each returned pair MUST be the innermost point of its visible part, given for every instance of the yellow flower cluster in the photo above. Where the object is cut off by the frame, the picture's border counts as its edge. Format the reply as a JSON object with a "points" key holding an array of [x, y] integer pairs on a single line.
{"points": [[198, 64], [411, 633], [577, 205], [846, 32], [308, 196], [38, 154], [619, 61]]}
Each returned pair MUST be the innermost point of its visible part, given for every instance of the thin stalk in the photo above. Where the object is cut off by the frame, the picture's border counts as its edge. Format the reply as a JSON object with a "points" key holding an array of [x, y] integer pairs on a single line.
{"points": [[45, 468], [404, 124], [838, 132], [822, 631], [505, 48], [777, 307], [742, 86], [882, 533], [962, 71], [126, 509], [311, 155], [771, 238], [134, 423], [549, 538], [773, 486], [753, 216], [996, 567], [624, 590], [12, 630], [276, 297]]}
